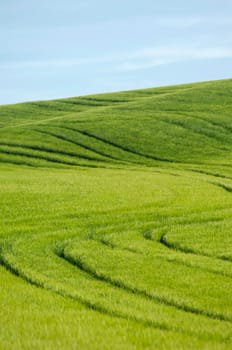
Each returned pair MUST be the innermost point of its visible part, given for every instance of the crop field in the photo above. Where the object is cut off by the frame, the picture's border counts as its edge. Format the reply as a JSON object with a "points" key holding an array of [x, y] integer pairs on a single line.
{"points": [[116, 221]]}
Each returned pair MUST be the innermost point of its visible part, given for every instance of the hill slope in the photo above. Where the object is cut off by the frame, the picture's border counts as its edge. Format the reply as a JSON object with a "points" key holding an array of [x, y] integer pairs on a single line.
{"points": [[187, 124], [116, 212]]}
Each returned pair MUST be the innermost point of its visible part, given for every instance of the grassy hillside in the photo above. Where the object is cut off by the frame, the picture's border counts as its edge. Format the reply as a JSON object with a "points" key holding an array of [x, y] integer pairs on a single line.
{"points": [[116, 217]]}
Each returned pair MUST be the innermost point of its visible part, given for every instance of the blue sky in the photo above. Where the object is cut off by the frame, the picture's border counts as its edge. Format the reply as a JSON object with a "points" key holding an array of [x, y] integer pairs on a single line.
{"points": [[61, 48]]}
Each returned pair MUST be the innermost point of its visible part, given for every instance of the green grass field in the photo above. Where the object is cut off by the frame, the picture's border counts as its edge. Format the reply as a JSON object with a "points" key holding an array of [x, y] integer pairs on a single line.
{"points": [[116, 220]]}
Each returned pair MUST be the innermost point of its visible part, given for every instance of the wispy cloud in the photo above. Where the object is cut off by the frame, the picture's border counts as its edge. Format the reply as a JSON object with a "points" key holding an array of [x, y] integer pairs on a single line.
{"points": [[149, 58], [128, 61]]}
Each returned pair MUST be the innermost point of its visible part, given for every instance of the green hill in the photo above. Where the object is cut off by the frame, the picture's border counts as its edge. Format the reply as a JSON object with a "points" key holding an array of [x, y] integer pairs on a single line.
{"points": [[116, 212]]}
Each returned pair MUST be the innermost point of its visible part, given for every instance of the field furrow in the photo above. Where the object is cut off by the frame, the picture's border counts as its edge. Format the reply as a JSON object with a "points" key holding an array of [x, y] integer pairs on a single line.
{"points": [[116, 221]]}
